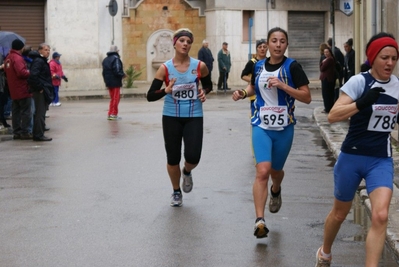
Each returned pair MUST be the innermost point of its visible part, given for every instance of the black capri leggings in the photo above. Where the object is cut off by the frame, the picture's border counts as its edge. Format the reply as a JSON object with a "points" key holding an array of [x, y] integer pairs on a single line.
{"points": [[190, 130]]}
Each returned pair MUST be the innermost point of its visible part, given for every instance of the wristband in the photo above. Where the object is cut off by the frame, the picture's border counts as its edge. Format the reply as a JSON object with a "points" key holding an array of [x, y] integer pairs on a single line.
{"points": [[245, 93]]}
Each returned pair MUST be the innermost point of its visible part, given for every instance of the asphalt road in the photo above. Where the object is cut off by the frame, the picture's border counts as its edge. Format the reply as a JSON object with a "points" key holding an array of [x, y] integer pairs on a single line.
{"points": [[98, 194]]}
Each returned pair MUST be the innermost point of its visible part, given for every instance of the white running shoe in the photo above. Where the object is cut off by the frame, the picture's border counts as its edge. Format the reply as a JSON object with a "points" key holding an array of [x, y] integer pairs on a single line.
{"points": [[320, 261], [176, 200], [187, 184]]}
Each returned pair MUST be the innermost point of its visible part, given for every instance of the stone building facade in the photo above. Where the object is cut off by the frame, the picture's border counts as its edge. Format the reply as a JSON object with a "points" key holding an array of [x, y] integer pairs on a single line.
{"points": [[82, 31]]}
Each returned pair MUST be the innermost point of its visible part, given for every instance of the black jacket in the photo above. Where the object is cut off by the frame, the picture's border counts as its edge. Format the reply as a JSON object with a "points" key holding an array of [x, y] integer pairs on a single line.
{"points": [[205, 55], [113, 70], [40, 75]]}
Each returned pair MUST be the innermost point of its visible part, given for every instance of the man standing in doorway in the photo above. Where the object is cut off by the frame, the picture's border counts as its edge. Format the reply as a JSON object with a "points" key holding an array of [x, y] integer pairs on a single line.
{"points": [[224, 62], [205, 55], [113, 74]]}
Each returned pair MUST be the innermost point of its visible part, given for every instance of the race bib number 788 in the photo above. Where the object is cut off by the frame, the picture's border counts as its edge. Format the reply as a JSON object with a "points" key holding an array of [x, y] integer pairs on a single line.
{"points": [[383, 118]]}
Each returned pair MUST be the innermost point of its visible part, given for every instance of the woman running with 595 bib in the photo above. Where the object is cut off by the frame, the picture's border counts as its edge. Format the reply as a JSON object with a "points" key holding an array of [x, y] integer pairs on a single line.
{"points": [[278, 82]]}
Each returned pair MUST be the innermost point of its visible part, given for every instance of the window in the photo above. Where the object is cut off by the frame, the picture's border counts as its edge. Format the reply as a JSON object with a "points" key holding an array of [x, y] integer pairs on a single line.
{"points": [[247, 26]]}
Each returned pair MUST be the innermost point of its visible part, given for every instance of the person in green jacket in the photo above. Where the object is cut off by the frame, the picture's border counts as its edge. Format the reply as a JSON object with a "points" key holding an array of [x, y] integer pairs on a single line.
{"points": [[224, 63]]}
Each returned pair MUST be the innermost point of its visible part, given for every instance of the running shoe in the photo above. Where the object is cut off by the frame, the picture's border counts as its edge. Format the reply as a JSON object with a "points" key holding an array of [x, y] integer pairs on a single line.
{"points": [[187, 182], [176, 199], [320, 261], [113, 118], [260, 229], [275, 202]]}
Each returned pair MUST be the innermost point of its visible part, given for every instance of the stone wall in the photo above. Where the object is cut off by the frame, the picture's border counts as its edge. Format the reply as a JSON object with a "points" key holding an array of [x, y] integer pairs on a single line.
{"points": [[153, 16]]}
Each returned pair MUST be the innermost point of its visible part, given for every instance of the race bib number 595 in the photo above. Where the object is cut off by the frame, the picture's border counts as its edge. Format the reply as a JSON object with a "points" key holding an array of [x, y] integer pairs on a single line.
{"points": [[274, 116]]}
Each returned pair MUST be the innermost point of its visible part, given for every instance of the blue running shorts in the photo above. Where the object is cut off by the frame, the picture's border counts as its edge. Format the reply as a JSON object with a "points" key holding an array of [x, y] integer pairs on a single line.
{"points": [[272, 146], [349, 170]]}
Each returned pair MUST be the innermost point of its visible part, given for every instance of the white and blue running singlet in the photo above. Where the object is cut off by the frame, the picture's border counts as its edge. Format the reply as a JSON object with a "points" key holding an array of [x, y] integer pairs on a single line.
{"points": [[183, 101], [369, 129], [274, 108]]}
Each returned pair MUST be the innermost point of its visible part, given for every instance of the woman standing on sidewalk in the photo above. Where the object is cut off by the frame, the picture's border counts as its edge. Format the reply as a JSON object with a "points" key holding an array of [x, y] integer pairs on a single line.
{"points": [[328, 78], [370, 99], [277, 83], [182, 112]]}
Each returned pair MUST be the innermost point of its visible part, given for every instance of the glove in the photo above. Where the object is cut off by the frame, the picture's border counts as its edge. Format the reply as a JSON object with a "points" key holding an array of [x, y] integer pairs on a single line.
{"points": [[56, 77], [65, 78], [369, 98]]}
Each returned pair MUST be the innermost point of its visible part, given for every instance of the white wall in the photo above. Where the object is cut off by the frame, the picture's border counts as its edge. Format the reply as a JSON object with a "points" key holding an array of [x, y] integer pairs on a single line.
{"points": [[82, 32]]}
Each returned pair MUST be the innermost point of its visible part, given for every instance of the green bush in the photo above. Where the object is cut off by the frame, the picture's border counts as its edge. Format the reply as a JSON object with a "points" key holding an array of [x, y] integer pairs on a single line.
{"points": [[131, 75]]}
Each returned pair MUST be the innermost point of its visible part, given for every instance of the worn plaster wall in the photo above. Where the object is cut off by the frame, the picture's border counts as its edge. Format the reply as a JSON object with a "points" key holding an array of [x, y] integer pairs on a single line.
{"points": [[82, 31]]}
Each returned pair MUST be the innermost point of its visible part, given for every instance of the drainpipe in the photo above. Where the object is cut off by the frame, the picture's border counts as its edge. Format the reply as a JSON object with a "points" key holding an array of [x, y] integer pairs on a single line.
{"points": [[267, 14], [357, 33], [332, 21], [251, 23], [373, 17]]}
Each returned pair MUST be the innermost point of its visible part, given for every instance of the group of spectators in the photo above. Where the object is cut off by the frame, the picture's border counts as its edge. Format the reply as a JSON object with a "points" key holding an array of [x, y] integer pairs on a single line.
{"points": [[335, 70], [32, 83]]}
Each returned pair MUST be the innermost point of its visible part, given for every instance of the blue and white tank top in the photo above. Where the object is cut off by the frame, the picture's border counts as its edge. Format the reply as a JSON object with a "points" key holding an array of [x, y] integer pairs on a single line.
{"points": [[183, 101], [274, 108], [369, 129]]}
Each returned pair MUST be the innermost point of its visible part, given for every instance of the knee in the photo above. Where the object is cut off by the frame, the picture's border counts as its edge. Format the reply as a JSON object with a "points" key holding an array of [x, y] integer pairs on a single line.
{"points": [[339, 216], [262, 174], [379, 217]]}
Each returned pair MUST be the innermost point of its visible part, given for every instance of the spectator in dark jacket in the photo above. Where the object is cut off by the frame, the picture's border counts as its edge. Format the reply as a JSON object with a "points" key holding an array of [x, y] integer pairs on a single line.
{"points": [[113, 74], [17, 76], [328, 78], [349, 68], [40, 83], [205, 55]]}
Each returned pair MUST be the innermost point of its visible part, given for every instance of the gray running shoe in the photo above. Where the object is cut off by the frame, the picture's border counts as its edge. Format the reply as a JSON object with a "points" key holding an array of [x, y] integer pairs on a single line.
{"points": [[176, 200], [187, 182], [260, 229], [275, 202], [320, 261]]}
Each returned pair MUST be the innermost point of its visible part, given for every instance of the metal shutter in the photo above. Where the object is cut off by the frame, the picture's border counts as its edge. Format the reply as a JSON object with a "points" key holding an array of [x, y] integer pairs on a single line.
{"points": [[25, 18], [305, 34]]}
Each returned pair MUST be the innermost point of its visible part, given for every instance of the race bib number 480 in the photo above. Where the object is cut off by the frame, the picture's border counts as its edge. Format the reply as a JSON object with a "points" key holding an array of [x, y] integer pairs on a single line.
{"points": [[186, 91], [274, 116], [383, 118]]}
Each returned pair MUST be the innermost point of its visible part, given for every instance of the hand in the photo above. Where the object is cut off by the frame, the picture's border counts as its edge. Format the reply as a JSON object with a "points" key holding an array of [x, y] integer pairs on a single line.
{"points": [[168, 89], [201, 95], [369, 98], [238, 94], [64, 78], [55, 76]]}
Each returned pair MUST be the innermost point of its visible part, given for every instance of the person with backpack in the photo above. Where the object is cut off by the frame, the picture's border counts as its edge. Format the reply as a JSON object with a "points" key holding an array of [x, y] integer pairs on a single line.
{"points": [[370, 99], [328, 76]]}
